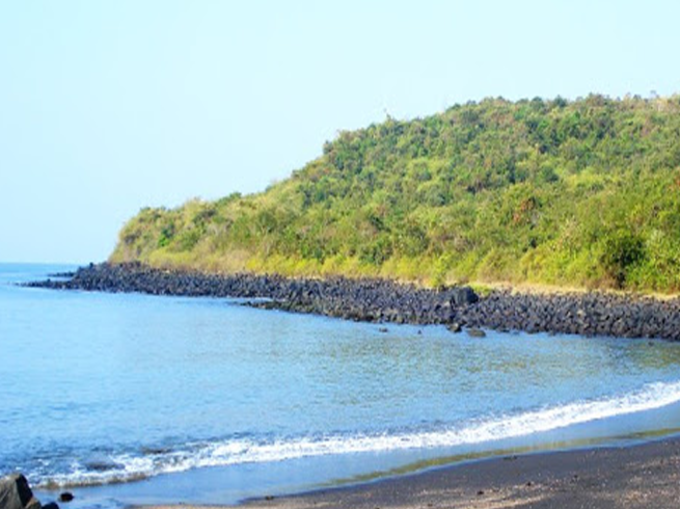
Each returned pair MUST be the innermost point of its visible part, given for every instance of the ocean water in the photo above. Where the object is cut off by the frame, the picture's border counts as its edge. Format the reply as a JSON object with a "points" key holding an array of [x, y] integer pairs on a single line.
{"points": [[128, 398]]}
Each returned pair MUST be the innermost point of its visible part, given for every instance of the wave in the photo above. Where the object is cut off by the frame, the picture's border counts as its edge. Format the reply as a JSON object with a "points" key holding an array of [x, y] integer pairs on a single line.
{"points": [[131, 467]]}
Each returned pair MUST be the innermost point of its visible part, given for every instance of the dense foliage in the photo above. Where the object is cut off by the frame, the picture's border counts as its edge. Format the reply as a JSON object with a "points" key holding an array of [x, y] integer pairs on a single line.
{"points": [[582, 193]]}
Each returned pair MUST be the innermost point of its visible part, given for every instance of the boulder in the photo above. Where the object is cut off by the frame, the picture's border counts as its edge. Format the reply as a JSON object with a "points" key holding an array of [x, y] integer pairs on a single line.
{"points": [[66, 496], [463, 296], [16, 494], [455, 327], [476, 333]]}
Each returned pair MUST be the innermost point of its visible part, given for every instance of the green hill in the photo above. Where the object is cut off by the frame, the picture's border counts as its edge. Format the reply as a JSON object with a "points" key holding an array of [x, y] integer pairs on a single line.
{"points": [[583, 193]]}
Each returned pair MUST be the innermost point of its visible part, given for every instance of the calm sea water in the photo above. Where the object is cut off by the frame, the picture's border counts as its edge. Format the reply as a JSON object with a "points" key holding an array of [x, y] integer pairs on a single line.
{"points": [[135, 398]]}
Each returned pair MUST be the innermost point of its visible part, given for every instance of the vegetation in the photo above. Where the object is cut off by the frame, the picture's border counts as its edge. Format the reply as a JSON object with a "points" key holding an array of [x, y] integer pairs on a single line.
{"points": [[583, 193]]}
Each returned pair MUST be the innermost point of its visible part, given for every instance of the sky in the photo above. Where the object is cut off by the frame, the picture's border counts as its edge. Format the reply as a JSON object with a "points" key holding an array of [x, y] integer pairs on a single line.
{"points": [[107, 107]]}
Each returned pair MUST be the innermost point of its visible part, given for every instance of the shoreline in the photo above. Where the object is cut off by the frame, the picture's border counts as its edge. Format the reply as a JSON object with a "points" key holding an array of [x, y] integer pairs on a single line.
{"points": [[384, 301], [639, 475], [629, 475]]}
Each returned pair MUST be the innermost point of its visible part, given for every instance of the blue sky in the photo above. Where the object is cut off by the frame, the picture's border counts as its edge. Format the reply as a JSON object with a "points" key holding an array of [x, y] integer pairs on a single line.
{"points": [[110, 106]]}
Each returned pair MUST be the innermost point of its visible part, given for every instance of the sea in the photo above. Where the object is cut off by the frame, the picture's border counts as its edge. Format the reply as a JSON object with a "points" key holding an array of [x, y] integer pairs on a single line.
{"points": [[128, 399]]}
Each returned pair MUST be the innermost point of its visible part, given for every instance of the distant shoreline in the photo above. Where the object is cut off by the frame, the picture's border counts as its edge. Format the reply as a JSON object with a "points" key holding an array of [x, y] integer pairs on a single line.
{"points": [[383, 301]]}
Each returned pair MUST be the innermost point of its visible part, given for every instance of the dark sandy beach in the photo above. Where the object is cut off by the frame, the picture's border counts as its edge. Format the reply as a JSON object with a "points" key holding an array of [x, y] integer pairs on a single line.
{"points": [[639, 476]]}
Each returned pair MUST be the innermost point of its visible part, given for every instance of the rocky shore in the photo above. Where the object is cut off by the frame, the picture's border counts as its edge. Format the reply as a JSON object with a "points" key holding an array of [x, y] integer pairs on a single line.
{"points": [[376, 300]]}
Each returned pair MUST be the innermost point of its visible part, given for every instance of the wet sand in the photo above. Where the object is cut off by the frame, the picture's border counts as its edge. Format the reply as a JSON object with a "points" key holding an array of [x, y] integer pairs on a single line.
{"points": [[639, 476]]}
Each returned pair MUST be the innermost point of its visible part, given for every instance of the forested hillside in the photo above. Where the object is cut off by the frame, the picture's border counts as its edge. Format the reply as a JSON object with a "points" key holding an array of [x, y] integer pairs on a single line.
{"points": [[583, 193]]}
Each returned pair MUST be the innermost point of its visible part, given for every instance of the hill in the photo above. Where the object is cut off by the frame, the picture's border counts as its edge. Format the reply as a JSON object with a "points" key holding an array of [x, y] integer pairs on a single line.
{"points": [[574, 193]]}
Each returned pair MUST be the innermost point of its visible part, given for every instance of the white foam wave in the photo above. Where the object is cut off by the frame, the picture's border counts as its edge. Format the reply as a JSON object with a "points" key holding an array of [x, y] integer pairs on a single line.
{"points": [[130, 467]]}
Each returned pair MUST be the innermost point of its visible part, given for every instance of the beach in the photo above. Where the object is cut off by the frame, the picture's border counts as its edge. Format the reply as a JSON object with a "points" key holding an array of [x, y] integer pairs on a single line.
{"points": [[646, 475]]}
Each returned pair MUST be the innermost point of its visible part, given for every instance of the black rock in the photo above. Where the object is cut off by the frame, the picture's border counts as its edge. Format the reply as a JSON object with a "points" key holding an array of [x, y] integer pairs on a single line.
{"points": [[455, 327], [15, 493], [476, 333], [463, 296], [66, 496]]}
